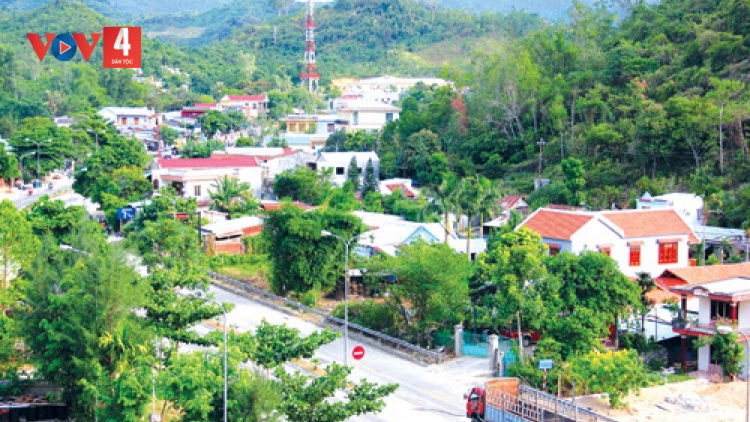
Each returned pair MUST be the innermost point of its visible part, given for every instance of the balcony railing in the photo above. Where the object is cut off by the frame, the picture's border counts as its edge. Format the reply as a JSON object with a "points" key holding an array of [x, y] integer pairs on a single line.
{"points": [[680, 324]]}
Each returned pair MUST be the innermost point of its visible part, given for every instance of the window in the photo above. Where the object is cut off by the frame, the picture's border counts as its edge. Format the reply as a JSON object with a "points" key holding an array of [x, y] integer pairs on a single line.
{"points": [[197, 190], [356, 118], [331, 127], [668, 253], [340, 171], [606, 251], [123, 121], [388, 117], [136, 120], [554, 249], [635, 255], [721, 309]]}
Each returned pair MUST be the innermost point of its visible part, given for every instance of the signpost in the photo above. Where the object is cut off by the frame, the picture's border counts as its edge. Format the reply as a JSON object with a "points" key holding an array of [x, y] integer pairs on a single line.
{"points": [[545, 365], [358, 352]]}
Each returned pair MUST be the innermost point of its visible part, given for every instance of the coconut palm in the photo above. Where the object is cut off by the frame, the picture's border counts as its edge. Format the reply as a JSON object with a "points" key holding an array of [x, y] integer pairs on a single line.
{"points": [[489, 202], [469, 198], [443, 200], [233, 197]]}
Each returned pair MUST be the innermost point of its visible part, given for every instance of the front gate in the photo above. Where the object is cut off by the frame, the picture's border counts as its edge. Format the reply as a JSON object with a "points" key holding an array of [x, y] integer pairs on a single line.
{"points": [[474, 344]]}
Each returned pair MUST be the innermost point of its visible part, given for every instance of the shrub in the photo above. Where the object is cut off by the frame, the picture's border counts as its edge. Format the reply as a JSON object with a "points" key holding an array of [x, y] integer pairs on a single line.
{"points": [[371, 314]]}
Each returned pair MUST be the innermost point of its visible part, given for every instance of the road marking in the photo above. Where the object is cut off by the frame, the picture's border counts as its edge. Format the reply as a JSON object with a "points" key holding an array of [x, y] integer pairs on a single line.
{"points": [[380, 374]]}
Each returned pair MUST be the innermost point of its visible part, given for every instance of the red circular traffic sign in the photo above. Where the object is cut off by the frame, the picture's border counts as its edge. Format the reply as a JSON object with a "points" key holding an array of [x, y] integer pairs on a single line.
{"points": [[358, 352]]}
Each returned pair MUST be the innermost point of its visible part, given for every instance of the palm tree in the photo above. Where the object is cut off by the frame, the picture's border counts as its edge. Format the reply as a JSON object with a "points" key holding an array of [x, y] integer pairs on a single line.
{"points": [[231, 195], [443, 200], [469, 199], [489, 201]]}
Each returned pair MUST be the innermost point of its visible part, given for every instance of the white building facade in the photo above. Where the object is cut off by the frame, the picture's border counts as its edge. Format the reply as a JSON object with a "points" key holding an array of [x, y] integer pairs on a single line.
{"points": [[339, 162], [197, 177], [648, 241]]}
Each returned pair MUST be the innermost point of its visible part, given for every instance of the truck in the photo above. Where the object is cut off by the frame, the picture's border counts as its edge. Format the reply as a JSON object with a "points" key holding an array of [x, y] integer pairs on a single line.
{"points": [[507, 400]]}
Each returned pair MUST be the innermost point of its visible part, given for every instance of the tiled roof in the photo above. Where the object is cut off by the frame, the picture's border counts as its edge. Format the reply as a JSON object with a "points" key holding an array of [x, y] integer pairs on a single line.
{"points": [[258, 98], [556, 224], [509, 201], [206, 163], [204, 105], [405, 190], [709, 273], [273, 205], [641, 223]]}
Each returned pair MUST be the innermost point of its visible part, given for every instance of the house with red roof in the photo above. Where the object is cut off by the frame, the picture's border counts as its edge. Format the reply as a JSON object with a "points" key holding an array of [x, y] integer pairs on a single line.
{"points": [[197, 177], [648, 241], [723, 296], [197, 110], [249, 105], [404, 185]]}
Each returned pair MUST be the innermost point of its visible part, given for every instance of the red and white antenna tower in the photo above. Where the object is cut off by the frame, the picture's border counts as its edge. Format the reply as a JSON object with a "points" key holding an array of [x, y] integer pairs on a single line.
{"points": [[310, 68]]}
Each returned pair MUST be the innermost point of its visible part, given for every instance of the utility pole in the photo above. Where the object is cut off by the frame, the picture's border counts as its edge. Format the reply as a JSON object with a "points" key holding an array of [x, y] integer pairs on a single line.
{"points": [[541, 144]]}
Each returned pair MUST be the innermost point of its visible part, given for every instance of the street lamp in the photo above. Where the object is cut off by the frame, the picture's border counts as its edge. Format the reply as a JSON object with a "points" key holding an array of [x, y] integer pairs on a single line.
{"points": [[20, 161], [37, 153], [207, 299], [725, 329], [346, 289], [96, 137], [65, 247]]}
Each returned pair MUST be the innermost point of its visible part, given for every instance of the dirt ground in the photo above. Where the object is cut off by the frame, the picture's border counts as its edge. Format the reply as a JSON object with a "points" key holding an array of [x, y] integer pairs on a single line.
{"points": [[720, 403]]}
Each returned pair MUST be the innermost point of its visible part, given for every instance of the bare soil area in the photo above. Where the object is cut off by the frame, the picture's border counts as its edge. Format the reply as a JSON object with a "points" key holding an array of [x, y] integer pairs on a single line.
{"points": [[690, 401]]}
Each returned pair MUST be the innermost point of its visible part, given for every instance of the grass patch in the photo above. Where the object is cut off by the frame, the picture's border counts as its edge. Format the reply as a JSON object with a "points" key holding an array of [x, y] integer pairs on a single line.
{"points": [[243, 267]]}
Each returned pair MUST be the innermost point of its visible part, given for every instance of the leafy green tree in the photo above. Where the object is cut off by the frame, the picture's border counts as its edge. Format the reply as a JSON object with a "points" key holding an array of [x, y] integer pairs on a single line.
{"points": [[168, 135], [8, 167], [18, 245], [432, 292], [342, 198], [647, 284], [575, 299], [468, 198], [193, 149], [305, 399], [278, 344], [615, 373], [435, 169], [510, 276], [292, 232], [82, 330], [115, 152], [303, 185], [574, 173], [353, 173], [55, 144], [370, 182], [55, 218], [245, 142], [373, 202]]}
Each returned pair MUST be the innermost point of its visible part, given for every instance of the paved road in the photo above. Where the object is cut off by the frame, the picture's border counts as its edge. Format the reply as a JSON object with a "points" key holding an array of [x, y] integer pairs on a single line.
{"points": [[24, 200], [433, 393]]}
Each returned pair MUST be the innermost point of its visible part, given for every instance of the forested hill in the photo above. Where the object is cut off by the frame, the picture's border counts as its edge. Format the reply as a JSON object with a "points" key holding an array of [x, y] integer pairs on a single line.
{"points": [[366, 37]]}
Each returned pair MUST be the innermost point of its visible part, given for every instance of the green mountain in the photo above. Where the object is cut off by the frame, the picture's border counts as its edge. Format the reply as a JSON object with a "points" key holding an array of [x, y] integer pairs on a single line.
{"points": [[120, 8]]}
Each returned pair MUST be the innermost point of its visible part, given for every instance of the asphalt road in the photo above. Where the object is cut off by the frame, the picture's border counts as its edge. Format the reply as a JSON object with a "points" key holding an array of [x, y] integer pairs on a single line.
{"points": [[58, 185], [425, 393]]}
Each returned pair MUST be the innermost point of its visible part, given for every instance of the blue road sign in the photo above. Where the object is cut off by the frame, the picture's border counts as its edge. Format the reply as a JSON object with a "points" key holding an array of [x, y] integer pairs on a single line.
{"points": [[545, 364]]}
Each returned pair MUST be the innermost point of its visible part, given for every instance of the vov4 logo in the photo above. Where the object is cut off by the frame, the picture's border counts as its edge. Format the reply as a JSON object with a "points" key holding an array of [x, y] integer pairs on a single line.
{"points": [[122, 46]]}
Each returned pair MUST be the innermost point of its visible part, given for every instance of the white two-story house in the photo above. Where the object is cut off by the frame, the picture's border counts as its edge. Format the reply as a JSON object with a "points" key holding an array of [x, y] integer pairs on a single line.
{"points": [[648, 241], [250, 105], [723, 296], [197, 177], [339, 162], [130, 118]]}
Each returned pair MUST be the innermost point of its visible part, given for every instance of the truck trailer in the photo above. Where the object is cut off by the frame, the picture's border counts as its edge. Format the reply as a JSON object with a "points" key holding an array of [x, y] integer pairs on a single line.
{"points": [[507, 400]]}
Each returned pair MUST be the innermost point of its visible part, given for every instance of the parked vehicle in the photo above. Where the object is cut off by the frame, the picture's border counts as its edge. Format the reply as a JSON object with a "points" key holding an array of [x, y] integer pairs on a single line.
{"points": [[529, 337], [506, 399]]}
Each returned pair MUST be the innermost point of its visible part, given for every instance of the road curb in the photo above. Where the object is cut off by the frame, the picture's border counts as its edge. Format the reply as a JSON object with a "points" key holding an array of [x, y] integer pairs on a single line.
{"points": [[333, 327]]}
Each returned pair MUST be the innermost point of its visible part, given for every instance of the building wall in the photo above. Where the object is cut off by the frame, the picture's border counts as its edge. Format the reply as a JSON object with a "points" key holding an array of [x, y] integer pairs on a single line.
{"points": [[207, 180], [704, 358], [704, 310], [565, 245], [743, 316], [340, 179]]}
